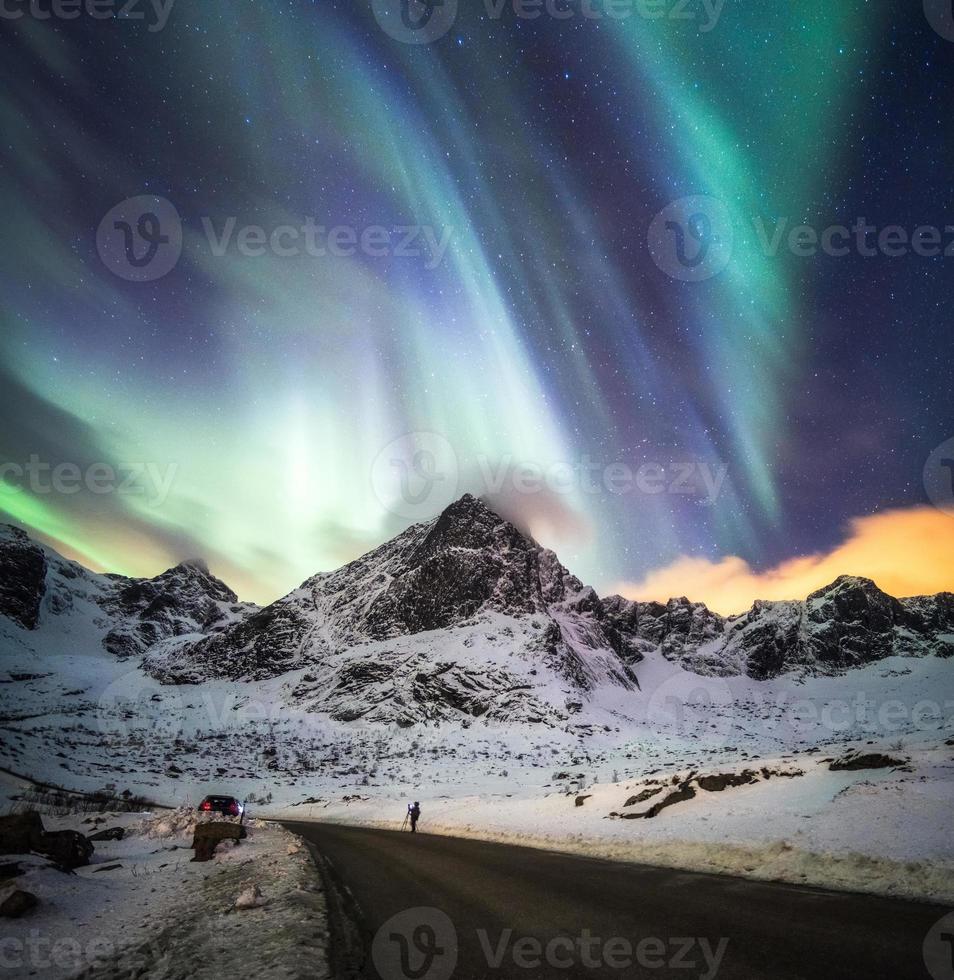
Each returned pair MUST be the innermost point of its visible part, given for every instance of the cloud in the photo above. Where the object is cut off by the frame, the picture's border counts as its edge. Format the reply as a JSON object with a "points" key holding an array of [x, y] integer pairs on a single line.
{"points": [[907, 552], [544, 514]]}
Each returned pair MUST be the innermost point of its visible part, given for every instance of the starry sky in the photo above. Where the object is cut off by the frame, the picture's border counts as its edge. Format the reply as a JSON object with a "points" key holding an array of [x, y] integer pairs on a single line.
{"points": [[746, 432]]}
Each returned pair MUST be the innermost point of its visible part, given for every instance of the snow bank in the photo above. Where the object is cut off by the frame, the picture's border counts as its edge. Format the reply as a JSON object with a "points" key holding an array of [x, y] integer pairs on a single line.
{"points": [[144, 908], [881, 831]]}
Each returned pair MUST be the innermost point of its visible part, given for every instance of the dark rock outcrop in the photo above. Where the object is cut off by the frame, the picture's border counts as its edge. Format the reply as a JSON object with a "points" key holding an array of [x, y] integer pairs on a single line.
{"points": [[22, 577], [717, 782], [23, 833], [872, 760], [111, 833], [16, 902], [208, 836], [686, 791], [184, 599]]}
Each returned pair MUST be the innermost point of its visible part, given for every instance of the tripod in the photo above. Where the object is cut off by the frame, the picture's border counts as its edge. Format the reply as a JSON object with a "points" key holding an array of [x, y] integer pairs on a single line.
{"points": [[403, 825]]}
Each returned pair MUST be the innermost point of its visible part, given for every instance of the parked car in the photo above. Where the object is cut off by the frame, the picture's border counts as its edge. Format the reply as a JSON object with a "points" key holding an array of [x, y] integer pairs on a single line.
{"points": [[228, 805]]}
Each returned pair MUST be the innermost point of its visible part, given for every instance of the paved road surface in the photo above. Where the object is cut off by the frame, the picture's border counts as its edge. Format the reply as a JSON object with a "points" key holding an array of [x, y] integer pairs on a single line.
{"points": [[513, 913]]}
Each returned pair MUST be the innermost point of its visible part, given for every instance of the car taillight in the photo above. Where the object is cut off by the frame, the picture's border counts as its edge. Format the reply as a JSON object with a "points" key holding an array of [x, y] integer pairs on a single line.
{"points": [[206, 805], [234, 809]]}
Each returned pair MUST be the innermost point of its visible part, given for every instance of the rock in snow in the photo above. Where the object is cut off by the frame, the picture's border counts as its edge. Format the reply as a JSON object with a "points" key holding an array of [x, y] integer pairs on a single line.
{"points": [[251, 898]]}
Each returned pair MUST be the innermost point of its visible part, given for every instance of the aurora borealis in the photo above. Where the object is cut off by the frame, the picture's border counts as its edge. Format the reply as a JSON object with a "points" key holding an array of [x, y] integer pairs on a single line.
{"points": [[530, 337]]}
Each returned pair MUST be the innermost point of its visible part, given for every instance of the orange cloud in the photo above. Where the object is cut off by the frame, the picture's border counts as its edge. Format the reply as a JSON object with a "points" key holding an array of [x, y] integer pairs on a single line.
{"points": [[907, 552]]}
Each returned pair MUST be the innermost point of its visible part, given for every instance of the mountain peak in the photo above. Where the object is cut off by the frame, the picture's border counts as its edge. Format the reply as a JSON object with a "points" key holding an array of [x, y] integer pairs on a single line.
{"points": [[848, 584], [470, 523], [466, 507], [11, 532], [192, 575]]}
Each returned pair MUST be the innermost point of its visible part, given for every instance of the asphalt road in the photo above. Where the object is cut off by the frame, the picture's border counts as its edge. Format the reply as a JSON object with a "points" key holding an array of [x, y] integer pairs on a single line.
{"points": [[469, 909]]}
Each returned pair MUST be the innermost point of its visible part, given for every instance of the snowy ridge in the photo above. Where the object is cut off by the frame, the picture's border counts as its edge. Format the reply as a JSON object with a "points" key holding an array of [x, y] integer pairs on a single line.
{"points": [[845, 625], [461, 616], [56, 602]]}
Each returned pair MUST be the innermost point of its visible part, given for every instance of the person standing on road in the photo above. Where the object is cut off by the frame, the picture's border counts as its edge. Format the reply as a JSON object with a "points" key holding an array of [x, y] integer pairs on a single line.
{"points": [[415, 814]]}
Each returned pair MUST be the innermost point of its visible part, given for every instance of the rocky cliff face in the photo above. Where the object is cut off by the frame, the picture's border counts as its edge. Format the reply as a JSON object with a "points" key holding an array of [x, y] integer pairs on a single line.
{"points": [[22, 577], [182, 600], [39, 587], [464, 613], [847, 624]]}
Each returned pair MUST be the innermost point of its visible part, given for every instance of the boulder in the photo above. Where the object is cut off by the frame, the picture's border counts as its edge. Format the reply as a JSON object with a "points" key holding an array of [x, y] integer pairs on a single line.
{"points": [[873, 760], [642, 796], [112, 833], [21, 833], [18, 831], [251, 898], [208, 835], [16, 902], [724, 780], [68, 849]]}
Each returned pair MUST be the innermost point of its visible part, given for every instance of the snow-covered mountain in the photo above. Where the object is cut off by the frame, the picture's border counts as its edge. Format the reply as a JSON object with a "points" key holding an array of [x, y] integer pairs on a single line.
{"points": [[847, 624], [59, 601], [462, 616]]}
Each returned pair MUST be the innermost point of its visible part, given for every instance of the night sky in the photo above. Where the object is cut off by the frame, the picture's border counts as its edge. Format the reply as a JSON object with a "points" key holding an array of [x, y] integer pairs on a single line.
{"points": [[285, 395]]}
